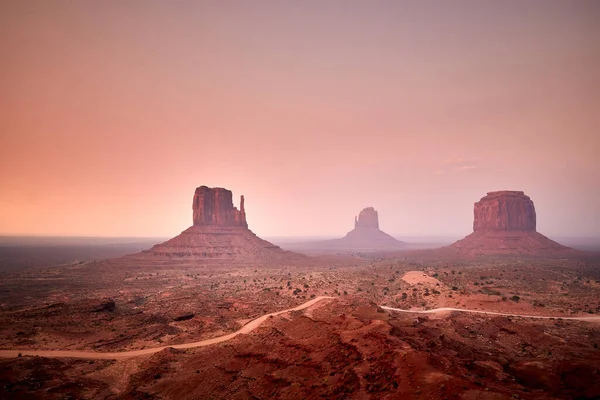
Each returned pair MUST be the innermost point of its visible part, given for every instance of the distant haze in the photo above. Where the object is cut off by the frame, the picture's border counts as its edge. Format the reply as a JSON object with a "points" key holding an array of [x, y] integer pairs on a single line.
{"points": [[112, 113]]}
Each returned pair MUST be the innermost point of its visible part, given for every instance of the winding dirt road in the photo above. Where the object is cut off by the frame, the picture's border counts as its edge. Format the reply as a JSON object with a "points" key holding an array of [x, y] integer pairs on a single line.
{"points": [[249, 327], [447, 309]]}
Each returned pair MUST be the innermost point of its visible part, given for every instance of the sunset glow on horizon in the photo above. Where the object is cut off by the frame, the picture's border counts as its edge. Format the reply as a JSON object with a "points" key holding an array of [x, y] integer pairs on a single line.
{"points": [[112, 113]]}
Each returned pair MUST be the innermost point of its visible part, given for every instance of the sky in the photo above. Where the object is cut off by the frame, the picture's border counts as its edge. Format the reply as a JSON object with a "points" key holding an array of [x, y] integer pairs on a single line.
{"points": [[113, 112]]}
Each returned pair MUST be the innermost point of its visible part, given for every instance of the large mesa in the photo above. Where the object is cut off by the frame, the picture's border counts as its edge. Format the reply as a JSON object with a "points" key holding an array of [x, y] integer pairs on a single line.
{"points": [[505, 210], [505, 223], [219, 231]]}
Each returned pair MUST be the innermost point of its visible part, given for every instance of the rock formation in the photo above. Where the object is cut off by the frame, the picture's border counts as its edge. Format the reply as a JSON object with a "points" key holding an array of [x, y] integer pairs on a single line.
{"points": [[504, 211], [219, 231], [367, 218], [214, 206], [366, 236], [505, 223]]}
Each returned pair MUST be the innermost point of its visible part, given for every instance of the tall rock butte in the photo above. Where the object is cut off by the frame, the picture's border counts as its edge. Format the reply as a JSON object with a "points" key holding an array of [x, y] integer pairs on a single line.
{"points": [[366, 235], [505, 223], [219, 231], [214, 206], [504, 211], [367, 218]]}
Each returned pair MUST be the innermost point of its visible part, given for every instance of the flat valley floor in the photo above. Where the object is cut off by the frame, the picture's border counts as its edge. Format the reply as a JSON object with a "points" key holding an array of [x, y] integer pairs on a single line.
{"points": [[350, 344]]}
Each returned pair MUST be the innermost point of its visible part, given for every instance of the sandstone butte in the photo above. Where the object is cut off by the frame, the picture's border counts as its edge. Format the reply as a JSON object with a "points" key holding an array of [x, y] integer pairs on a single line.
{"points": [[366, 235], [505, 223], [219, 231]]}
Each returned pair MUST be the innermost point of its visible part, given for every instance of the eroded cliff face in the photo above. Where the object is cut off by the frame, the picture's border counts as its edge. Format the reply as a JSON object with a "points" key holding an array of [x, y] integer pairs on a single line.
{"points": [[214, 206], [504, 211], [367, 218]]}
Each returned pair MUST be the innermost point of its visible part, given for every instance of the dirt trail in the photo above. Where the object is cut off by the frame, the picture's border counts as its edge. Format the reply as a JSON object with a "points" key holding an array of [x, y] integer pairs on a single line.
{"points": [[249, 327], [446, 309]]}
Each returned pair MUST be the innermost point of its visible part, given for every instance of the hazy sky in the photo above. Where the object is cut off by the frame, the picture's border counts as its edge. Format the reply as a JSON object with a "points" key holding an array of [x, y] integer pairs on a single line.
{"points": [[113, 112]]}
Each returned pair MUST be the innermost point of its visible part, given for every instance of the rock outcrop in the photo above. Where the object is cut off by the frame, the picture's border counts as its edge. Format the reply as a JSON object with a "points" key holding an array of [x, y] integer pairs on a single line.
{"points": [[367, 218], [505, 223], [214, 206], [219, 231], [504, 211], [365, 237]]}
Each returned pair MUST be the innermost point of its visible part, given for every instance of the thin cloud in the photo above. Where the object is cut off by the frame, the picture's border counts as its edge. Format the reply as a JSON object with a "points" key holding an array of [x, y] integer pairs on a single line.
{"points": [[463, 165]]}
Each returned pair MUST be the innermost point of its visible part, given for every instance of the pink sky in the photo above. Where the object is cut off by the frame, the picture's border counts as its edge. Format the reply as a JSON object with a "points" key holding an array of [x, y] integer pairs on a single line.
{"points": [[113, 112]]}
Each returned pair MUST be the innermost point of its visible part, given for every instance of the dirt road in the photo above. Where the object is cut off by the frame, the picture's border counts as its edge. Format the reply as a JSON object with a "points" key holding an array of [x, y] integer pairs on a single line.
{"points": [[249, 327], [447, 309]]}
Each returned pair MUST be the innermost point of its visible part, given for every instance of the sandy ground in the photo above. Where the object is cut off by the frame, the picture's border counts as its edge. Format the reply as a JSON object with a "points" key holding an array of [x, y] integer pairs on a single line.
{"points": [[249, 327], [416, 277], [595, 318]]}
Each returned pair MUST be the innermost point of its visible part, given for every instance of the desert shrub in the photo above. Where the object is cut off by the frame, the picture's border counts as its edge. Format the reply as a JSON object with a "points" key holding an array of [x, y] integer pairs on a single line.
{"points": [[515, 298], [491, 292]]}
